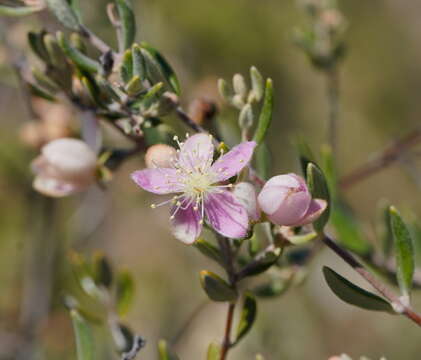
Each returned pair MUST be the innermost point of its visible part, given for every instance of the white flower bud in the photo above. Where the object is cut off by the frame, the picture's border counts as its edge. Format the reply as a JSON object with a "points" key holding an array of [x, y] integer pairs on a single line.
{"points": [[160, 155], [65, 166]]}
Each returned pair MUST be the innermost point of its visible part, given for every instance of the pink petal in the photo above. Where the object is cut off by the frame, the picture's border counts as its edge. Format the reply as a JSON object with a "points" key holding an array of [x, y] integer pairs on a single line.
{"points": [[158, 181], [186, 224], [245, 193], [234, 161], [226, 215], [197, 150], [316, 208]]}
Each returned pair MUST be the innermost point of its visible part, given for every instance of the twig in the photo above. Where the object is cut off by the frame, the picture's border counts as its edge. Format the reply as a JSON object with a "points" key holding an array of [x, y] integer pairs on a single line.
{"points": [[95, 40], [375, 283], [226, 343], [388, 156]]}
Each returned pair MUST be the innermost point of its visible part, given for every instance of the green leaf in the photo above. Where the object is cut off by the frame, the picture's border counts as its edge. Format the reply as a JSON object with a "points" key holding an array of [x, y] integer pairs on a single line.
{"points": [[263, 160], [404, 251], [165, 68], [265, 117], [257, 84], [248, 316], [81, 60], [348, 229], [262, 263], [126, 69], [37, 91], [134, 86], [84, 338], [209, 250], [44, 81], [353, 294], [128, 23], [125, 291], [164, 352], [75, 5], [64, 13], [18, 10], [214, 352], [139, 65], [216, 288], [319, 190]]}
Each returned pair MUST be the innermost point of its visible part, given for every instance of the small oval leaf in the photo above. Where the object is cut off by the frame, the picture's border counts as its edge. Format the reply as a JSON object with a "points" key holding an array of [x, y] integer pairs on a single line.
{"points": [[214, 352], [64, 13], [248, 316], [353, 294], [128, 23], [216, 288]]}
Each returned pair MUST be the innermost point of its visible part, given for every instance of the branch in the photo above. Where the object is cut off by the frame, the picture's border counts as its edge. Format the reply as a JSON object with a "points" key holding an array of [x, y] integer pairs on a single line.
{"points": [[388, 156], [375, 283]]}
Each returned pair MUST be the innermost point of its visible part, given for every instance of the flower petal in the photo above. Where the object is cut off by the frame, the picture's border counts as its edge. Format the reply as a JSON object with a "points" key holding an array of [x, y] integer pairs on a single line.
{"points": [[55, 187], [316, 208], [245, 193], [158, 181], [234, 161], [186, 224], [226, 215], [197, 150]]}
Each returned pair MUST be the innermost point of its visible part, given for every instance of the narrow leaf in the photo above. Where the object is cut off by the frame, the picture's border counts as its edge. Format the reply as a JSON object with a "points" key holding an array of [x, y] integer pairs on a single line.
{"points": [[164, 351], [319, 190], [265, 117], [216, 288], [164, 66], [214, 352], [128, 23], [209, 250], [263, 160], [64, 13], [84, 338], [126, 69], [248, 316], [125, 291], [80, 59], [353, 294], [404, 251]]}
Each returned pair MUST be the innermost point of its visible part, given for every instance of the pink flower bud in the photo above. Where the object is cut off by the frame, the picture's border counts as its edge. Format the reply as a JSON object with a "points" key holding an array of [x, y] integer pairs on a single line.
{"points": [[287, 201], [160, 155], [246, 194], [65, 166]]}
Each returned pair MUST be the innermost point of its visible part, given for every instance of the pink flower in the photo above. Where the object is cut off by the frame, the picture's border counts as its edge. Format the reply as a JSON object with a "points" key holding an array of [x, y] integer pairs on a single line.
{"points": [[194, 178], [287, 201], [66, 166], [247, 196]]}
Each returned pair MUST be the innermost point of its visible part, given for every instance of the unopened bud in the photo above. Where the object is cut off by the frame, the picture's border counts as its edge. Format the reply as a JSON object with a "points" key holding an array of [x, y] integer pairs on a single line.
{"points": [[257, 85], [240, 86], [160, 155], [286, 200], [65, 166], [245, 119]]}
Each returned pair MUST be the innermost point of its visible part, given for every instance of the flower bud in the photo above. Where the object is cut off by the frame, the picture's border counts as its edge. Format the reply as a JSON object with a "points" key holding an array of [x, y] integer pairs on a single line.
{"points": [[160, 155], [246, 195], [287, 201], [65, 166]]}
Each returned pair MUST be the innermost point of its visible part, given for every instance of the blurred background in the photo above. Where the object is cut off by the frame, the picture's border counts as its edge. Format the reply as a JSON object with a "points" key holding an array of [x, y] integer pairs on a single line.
{"points": [[204, 40]]}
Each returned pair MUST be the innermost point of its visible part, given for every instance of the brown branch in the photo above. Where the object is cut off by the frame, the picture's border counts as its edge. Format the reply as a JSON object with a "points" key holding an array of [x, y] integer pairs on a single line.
{"points": [[375, 283], [226, 343], [387, 157]]}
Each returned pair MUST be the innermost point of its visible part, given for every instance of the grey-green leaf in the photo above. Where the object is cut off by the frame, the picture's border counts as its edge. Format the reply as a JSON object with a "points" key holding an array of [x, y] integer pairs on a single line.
{"points": [[319, 190], [128, 23], [265, 117], [84, 338], [209, 250], [164, 351], [216, 288], [353, 294], [248, 316], [165, 68], [64, 13], [404, 251], [81, 60], [214, 352], [125, 291]]}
